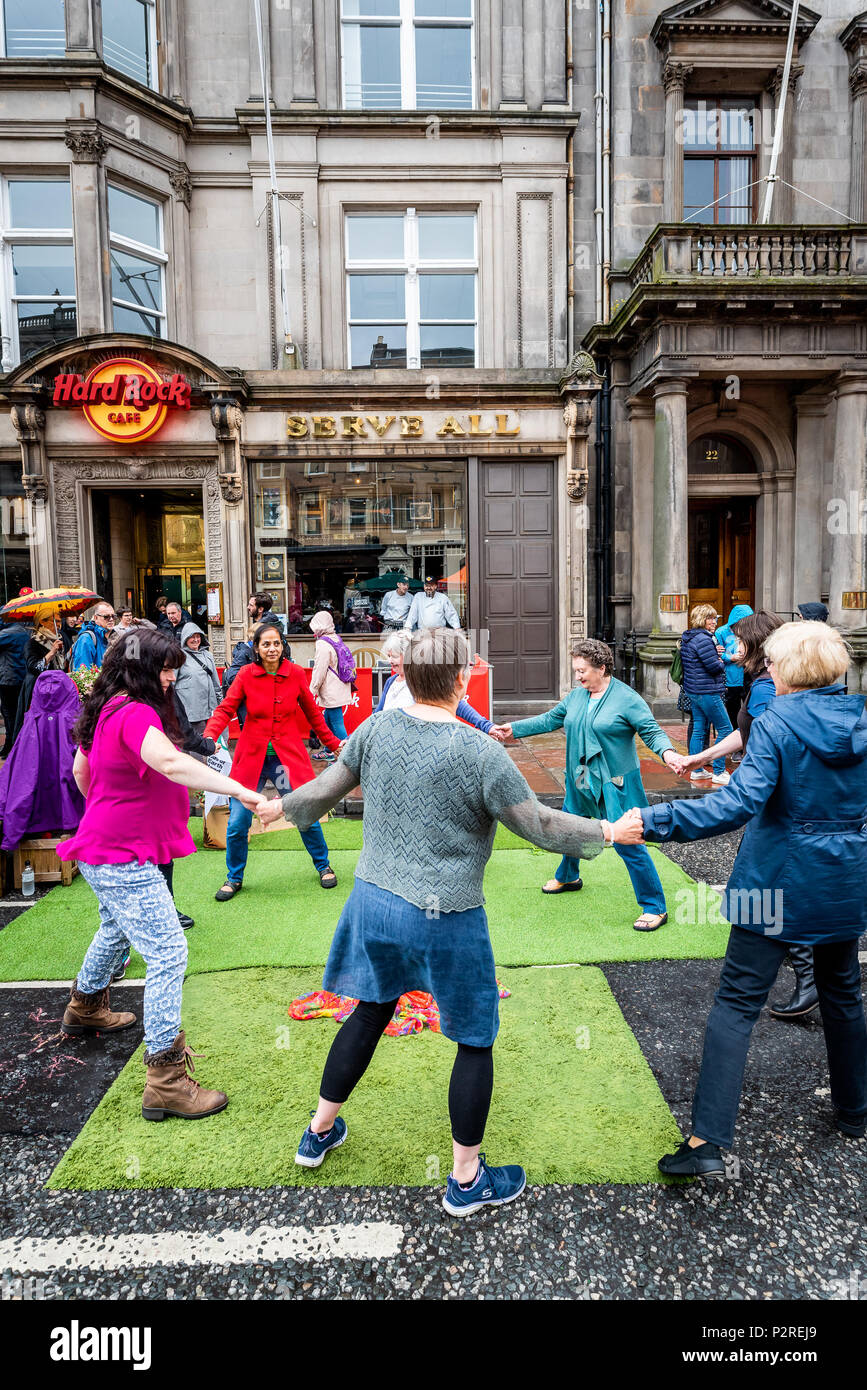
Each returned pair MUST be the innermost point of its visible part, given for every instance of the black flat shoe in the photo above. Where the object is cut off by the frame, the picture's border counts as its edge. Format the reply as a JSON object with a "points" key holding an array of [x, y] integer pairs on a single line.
{"points": [[703, 1161], [185, 921], [327, 877], [228, 890], [564, 888]]}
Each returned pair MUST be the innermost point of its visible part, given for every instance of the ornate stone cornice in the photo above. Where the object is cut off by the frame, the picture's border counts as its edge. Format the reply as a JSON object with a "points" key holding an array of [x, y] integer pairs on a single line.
{"points": [[29, 422], [858, 78], [752, 18], [182, 186], [88, 146]]}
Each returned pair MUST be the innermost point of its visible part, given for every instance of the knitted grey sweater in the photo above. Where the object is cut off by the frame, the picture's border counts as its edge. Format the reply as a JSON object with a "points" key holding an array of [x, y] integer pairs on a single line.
{"points": [[433, 793]]}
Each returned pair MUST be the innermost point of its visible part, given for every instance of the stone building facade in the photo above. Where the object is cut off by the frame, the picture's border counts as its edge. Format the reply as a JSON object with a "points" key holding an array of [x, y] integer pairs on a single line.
{"points": [[736, 350]]}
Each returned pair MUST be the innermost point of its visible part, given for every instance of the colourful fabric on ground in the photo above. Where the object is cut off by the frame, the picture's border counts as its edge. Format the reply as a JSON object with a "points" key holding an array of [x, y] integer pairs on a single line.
{"points": [[415, 1010]]}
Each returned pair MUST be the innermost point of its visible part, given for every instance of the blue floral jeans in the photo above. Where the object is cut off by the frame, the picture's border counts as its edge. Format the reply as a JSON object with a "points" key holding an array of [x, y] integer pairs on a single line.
{"points": [[137, 909]]}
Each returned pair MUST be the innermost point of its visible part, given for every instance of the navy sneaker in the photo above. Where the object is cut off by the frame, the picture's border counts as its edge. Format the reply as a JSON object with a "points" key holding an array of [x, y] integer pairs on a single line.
{"points": [[702, 1161], [493, 1187], [314, 1147], [121, 970]]}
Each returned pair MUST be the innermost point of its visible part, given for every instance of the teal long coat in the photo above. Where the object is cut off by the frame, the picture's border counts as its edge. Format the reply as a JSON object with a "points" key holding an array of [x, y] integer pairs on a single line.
{"points": [[603, 777]]}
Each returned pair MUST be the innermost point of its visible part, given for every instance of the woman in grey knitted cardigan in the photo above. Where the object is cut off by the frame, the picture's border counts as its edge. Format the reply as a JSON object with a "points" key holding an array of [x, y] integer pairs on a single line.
{"points": [[415, 919]]}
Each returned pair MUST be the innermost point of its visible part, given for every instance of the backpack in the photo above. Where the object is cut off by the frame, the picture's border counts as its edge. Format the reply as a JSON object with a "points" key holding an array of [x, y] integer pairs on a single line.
{"points": [[675, 670], [345, 664]]}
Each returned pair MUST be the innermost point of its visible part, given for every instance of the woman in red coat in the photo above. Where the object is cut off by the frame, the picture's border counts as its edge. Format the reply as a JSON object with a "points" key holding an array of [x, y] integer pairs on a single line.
{"points": [[270, 748]]}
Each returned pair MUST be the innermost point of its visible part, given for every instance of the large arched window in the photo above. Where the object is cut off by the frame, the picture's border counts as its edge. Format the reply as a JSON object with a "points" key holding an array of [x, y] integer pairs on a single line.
{"points": [[718, 455]]}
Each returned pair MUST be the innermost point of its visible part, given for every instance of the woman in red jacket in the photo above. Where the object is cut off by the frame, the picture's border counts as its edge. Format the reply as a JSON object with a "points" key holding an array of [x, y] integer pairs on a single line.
{"points": [[270, 748]]}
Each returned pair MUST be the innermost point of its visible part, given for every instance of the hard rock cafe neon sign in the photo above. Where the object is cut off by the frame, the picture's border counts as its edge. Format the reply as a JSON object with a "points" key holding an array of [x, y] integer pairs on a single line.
{"points": [[123, 399]]}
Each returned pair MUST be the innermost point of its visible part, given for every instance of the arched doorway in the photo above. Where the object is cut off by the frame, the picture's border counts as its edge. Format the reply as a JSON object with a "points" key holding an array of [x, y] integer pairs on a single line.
{"points": [[723, 484]]}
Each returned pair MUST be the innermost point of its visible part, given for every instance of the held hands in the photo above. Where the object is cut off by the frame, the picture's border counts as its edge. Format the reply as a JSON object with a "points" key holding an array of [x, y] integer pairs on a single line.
{"points": [[676, 761], [501, 732], [629, 829], [269, 811], [254, 801]]}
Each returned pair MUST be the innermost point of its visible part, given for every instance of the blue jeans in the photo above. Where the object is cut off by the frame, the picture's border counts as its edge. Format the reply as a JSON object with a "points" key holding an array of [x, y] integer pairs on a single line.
{"points": [[334, 719], [240, 820], [136, 908], [707, 710], [645, 880], [749, 970]]}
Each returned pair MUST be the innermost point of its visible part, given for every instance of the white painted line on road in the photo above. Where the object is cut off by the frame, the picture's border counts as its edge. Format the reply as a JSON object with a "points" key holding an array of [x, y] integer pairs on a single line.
{"points": [[60, 984], [374, 1240]]}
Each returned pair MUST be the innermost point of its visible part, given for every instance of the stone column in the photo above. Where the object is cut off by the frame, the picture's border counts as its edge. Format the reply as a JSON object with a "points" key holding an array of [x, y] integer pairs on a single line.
{"points": [[847, 512], [674, 77], [782, 205], [858, 88], [303, 68], [641, 412], [92, 284], [670, 588], [513, 54], [182, 186], [29, 422], [227, 418], [810, 510], [83, 28]]}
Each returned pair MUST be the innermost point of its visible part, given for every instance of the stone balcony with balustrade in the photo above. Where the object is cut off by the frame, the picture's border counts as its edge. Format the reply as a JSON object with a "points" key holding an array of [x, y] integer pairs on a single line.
{"points": [[788, 295]]}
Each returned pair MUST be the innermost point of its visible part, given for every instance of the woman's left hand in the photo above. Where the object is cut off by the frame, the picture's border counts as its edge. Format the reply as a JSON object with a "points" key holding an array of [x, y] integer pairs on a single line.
{"points": [[674, 761]]}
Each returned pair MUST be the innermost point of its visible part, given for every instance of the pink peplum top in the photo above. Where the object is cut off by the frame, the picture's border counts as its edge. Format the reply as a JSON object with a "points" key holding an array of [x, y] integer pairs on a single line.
{"points": [[131, 812]]}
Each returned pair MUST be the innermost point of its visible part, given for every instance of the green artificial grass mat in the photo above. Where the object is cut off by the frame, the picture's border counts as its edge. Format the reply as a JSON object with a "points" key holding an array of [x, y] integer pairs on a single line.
{"points": [[574, 1100], [283, 918], [345, 832]]}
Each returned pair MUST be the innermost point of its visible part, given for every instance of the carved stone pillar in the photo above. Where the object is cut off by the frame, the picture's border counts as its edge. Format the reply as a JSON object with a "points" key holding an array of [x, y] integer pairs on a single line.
{"points": [[782, 206], [579, 385], [674, 77], [858, 182], [83, 28], [227, 418], [90, 230], [846, 516], [670, 591], [810, 510], [29, 422], [182, 186], [641, 416]]}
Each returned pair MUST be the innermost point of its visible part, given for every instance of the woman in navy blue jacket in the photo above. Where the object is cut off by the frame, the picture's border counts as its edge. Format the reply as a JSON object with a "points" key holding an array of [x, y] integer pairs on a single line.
{"points": [[799, 876], [704, 681]]}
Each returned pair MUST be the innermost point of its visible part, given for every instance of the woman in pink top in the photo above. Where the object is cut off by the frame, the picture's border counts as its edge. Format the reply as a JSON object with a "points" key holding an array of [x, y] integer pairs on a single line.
{"points": [[134, 779], [326, 687]]}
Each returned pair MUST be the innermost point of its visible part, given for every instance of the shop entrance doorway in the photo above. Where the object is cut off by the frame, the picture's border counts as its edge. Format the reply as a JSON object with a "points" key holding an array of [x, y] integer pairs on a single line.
{"points": [[148, 542]]}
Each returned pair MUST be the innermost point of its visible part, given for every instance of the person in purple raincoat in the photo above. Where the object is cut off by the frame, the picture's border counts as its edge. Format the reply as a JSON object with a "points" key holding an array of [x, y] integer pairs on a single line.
{"points": [[37, 789]]}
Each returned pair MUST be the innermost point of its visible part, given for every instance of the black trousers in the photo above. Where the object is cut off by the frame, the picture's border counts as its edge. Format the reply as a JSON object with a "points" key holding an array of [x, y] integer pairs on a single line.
{"points": [[8, 706], [168, 873], [470, 1088]]}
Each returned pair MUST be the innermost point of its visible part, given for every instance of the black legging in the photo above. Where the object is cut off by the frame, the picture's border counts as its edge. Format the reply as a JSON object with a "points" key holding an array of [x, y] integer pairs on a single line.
{"points": [[168, 872], [470, 1088]]}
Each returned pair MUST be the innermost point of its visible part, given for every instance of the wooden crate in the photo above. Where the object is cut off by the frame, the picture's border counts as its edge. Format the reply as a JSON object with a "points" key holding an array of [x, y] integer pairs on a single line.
{"points": [[44, 861]]}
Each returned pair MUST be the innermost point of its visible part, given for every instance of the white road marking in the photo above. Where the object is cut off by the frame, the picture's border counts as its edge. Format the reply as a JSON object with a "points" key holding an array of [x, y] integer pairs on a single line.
{"points": [[60, 984], [374, 1240]]}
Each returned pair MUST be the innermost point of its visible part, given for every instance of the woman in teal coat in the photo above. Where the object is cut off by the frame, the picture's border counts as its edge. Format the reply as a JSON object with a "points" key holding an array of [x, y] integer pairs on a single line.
{"points": [[601, 717]]}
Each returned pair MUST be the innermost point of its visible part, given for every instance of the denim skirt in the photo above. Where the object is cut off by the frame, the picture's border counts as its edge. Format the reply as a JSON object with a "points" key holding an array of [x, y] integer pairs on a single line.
{"points": [[385, 946]]}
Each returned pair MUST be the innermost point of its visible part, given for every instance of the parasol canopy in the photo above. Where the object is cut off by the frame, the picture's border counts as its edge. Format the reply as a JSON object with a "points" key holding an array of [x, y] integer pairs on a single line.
{"points": [[47, 603], [384, 583]]}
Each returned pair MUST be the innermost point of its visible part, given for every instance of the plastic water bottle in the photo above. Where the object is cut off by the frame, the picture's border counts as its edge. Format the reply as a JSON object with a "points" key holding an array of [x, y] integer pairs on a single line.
{"points": [[28, 881]]}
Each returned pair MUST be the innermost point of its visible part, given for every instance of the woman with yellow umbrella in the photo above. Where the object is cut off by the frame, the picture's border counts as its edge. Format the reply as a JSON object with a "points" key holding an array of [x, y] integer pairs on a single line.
{"points": [[44, 652]]}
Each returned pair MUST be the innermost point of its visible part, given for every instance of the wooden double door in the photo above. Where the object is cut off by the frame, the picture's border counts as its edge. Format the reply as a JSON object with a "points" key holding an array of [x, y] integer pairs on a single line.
{"points": [[722, 552]]}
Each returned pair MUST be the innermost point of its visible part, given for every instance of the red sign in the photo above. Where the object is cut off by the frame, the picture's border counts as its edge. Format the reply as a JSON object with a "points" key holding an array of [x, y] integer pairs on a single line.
{"points": [[123, 399]]}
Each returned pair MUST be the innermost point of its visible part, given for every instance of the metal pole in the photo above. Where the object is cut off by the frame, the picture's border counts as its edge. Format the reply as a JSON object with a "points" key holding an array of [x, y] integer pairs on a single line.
{"points": [[279, 252], [781, 111]]}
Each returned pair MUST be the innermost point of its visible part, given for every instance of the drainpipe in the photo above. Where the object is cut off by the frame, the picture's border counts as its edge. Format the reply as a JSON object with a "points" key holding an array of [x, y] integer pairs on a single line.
{"points": [[598, 209], [606, 158], [570, 195]]}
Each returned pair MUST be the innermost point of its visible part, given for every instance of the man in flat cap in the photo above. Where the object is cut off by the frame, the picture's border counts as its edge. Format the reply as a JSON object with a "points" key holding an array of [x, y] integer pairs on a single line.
{"points": [[431, 609]]}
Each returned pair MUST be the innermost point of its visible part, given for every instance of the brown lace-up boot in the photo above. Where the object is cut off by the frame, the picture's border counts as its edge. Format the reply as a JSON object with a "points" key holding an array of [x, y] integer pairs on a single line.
{"points": [[171, 1088], [91, 1013]]}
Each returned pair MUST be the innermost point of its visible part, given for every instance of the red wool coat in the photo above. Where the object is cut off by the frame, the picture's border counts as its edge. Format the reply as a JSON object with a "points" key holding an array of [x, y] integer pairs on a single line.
{"points": [[272, 706]]}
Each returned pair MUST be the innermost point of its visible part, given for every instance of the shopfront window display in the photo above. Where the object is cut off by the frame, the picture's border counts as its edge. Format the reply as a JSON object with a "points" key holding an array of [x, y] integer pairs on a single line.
{"points": [[334, 533]]}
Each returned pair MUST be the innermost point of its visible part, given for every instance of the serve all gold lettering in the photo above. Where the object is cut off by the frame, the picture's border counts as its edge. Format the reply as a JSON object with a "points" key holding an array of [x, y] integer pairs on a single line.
{"points": [[296, 427], [474, 426], [501, 424], [353, 425], [379, 425], [323, 426], [411, 426]]}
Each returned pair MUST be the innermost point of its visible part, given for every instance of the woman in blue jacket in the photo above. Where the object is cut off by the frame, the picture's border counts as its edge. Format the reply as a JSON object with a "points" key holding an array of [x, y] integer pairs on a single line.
{"points": [[727, 644], [798, 877], [704, 681]]}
